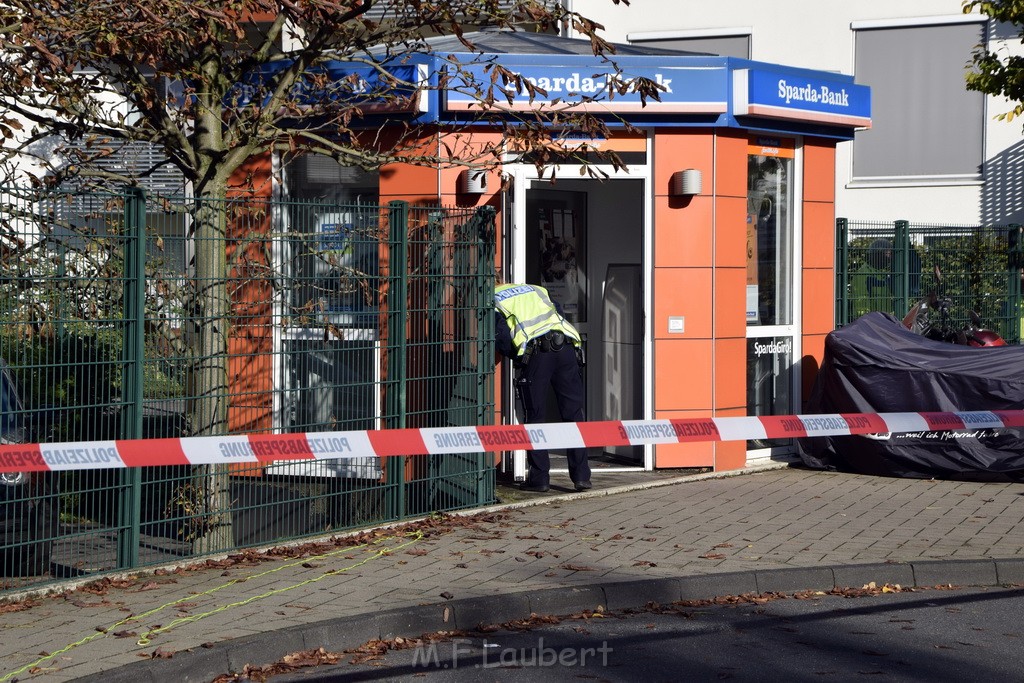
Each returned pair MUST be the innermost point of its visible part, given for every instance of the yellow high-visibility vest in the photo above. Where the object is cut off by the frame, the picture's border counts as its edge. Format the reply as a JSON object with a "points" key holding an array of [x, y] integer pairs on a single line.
{"points": [[529, 312]]}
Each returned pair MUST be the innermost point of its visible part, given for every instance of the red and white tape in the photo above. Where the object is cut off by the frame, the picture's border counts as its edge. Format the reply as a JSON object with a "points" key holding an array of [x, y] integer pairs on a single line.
{"points": [[274, 448]]}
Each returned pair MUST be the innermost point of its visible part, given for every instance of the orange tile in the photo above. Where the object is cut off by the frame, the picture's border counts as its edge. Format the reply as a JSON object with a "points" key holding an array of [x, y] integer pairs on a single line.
{"points": [[401, 181], [253, 178], [679, 149], [730, 455], [683, 292], [720, 455], [730, 374], [682, 235], [819, 245], [683, 373], [819, 170], [731, 232], [476, 147], [730, 302], [819, 304], [694, 454], [731, 165]]}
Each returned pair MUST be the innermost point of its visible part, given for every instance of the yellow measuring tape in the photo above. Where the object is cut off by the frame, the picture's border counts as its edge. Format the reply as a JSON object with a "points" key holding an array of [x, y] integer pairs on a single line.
{"points": [[145, 638]]}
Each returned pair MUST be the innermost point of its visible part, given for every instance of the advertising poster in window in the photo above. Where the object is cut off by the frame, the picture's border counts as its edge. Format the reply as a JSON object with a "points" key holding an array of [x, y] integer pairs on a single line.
{"points": [[751, 263]]}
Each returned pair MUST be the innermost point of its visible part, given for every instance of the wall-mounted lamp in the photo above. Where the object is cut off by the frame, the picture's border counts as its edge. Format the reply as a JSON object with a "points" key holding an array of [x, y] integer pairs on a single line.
{"points": [[473, 181], [687, 183]]}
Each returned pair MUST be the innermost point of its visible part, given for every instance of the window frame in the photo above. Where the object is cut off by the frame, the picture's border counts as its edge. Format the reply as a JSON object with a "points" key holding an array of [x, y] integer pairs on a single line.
{"points": [[940, 176]]}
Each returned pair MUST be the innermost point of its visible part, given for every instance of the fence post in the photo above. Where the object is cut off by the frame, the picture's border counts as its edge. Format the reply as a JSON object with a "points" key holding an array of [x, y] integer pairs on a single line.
{"points": [[397, 335], [133, 352], [484, 220], [901, 267], [842, 272], [484, 285], [1014, 262]]}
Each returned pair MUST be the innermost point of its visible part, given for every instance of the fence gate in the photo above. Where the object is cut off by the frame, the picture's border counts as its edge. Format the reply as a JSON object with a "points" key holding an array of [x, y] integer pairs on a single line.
{"points": [[446, 356]]}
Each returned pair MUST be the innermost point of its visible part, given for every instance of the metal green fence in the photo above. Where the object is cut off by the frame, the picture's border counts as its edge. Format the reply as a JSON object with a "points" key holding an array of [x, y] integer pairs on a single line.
{"points": [[127, 316], [888, 267]]}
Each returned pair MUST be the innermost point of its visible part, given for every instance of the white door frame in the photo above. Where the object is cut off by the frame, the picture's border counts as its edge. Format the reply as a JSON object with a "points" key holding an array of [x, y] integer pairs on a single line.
{"points": [[756, 455], [522, 177]]}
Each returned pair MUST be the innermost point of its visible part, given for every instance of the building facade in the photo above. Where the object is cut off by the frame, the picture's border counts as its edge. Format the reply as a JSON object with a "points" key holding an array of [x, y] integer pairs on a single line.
{"points": [[700, 274], [935, 152]]}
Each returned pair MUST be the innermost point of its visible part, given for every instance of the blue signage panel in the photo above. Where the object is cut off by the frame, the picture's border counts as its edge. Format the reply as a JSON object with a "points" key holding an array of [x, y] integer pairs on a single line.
{"points": [[819, 98], [695, 89], [337, 82]]}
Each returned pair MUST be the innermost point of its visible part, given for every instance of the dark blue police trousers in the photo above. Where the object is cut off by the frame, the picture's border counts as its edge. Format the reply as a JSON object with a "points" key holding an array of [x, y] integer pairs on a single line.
{"points": [[556, 370]]}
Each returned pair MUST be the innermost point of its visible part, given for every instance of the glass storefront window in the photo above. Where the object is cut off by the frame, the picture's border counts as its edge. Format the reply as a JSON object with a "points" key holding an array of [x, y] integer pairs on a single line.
{"points": [[330, 281], [769, 233], [333, 243], [771, 276], [769, 367], [770, 379]]}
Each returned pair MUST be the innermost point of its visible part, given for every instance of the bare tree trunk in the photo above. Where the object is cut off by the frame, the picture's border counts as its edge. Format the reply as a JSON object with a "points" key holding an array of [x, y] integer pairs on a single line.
{"points": [[209, 372]]}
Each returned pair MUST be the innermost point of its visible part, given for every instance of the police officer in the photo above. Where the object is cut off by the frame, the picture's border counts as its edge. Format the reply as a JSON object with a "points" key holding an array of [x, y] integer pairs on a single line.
{"points": [[546, 351]]}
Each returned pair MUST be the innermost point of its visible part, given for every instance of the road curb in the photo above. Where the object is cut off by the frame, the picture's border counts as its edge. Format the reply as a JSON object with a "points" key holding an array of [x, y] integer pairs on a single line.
{"points": [[335, 635]]}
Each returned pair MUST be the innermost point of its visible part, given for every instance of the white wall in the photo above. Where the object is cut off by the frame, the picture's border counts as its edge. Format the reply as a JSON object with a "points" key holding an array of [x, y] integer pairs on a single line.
{"points": [[817, 35]]}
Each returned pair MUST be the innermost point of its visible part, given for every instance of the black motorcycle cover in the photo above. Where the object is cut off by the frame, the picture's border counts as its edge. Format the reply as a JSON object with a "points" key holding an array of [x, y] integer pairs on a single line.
{"points": [[876, 365]]}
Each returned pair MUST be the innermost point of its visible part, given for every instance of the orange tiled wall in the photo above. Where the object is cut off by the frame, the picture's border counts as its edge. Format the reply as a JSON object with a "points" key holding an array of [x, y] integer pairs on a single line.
{"points": [[700, 274], [819, 248]]}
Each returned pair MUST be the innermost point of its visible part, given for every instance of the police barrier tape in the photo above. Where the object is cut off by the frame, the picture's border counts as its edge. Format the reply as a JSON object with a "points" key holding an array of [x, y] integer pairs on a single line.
{"points": [[275, 448]]}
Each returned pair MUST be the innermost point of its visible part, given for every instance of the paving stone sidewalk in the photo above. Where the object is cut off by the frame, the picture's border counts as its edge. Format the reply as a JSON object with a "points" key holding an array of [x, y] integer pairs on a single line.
{"points": [[782, 529]]}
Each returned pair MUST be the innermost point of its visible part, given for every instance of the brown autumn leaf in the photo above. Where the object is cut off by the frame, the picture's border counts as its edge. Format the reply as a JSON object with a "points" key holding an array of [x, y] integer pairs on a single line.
{"points": [[712, 556], [310, 658], [20, 606]]}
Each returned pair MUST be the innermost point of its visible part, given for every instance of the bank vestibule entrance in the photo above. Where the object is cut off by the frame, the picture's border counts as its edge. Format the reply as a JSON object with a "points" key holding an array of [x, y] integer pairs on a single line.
{"points": [[584, 241]]}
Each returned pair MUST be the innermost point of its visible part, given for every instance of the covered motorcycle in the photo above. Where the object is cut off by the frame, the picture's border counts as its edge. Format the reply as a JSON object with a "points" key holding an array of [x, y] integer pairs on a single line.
{"points": [[877, 365]]}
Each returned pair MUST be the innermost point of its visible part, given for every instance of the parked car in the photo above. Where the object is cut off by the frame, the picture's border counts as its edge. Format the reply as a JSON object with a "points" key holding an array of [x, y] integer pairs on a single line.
{"points": [[28, 500]]}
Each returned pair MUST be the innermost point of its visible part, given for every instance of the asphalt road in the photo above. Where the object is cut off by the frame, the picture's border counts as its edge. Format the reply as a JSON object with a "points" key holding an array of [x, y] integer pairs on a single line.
{"points": [[925, 635]]}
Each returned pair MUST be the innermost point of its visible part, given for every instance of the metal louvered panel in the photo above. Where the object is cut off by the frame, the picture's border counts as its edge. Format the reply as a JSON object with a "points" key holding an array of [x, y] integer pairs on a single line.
{"points": [[135, 160]]}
